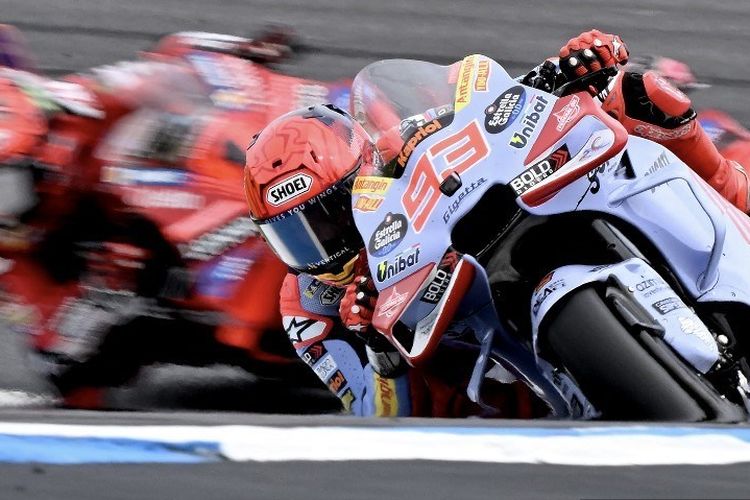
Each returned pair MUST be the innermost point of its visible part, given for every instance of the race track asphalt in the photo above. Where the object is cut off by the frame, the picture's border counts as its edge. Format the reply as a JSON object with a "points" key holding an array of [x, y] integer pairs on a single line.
{"points": [[343, 36]]}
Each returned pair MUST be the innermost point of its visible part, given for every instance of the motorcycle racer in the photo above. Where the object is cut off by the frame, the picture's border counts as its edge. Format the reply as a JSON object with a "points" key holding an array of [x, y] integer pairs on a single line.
{"points": [[300, 173]]}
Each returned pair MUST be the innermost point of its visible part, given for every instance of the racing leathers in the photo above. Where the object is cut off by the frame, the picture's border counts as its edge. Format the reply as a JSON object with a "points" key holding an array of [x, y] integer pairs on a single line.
{"points": [[370, 377]]}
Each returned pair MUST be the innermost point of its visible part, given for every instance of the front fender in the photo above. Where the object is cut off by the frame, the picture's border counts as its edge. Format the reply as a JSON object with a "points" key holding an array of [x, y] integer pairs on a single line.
{"points": [[682, 329]]}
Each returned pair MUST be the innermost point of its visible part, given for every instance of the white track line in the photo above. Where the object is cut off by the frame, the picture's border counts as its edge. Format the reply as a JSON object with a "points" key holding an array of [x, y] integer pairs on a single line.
{"points": [[608, 446]]}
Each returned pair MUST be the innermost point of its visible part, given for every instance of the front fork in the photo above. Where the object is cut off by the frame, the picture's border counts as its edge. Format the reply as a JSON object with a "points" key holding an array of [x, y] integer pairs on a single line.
{"points": [[514, 359]]}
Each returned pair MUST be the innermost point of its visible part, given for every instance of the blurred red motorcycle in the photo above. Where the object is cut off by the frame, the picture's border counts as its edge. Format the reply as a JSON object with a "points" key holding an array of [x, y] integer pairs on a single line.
{"points": [[122, 221]]}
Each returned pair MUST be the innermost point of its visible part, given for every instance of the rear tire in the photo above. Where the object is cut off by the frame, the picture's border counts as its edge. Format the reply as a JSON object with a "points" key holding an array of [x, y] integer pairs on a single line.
{"points": [[618, 376]]}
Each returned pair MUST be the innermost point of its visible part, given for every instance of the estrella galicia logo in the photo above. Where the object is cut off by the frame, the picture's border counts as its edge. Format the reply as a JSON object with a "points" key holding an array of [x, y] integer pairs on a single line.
{"points": [[388, 235], [504, 110], [398, 264]]}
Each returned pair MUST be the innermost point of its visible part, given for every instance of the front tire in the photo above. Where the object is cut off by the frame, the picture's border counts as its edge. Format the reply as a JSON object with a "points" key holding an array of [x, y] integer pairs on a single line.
{"points": [[615, 372]]}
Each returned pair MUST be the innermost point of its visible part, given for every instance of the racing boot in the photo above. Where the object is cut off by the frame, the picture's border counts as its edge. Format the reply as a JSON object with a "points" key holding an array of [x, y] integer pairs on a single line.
{"points": [[648, 106]]}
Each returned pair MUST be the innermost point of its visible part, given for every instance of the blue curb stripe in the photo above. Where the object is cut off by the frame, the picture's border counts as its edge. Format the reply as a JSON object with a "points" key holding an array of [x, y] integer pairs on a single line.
{"points": [[77, 450]]}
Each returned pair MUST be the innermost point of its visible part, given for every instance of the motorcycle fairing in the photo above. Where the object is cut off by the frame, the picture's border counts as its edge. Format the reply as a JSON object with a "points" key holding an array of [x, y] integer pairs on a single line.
{"points": [[465, 146], [702, 236], [681, 327]]}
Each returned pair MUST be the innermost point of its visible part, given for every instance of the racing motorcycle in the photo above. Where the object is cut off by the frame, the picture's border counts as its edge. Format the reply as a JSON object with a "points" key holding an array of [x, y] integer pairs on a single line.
{"points": [[594, 266], [127, 243]]}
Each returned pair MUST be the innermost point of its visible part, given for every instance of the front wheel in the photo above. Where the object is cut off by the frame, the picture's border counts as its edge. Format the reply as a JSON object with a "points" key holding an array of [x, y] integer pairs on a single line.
{"points": [[625, 374]]}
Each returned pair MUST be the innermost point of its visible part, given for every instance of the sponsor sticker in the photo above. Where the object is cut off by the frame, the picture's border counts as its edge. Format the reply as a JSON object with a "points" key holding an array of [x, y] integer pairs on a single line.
{"points": [[418, 136], [312, 288], [545, 292], [367, 203], [436, 288], [331, 295], [667, 305], [288, 189], [387, 236], [336, 382], [463, 85], [385, 396], [314, 353], [661, 161], [529, 122], [504, 110], [568, 113], [347, 399], [660, 134], [483, 76], [368, 184], [391, 268], [325, 367], [456, 203], [539, 171], [391, 304]]}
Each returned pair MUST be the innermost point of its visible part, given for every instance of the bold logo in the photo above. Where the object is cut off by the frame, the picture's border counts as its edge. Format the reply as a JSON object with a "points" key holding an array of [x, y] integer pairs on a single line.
{"points": [[398, 264], [389, 307], [367, 203], [504, 110], [455, 204], [520, 139], [301, 329], [538, 172], [567, 113], [463, 87], [388, 235], [436, 288], [366, 184], [419, 135], [288, 189], [483, 75]]}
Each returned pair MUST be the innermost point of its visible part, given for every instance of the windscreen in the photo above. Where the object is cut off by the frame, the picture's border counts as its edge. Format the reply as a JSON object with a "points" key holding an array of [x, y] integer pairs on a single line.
{"points": [[392, 99]]}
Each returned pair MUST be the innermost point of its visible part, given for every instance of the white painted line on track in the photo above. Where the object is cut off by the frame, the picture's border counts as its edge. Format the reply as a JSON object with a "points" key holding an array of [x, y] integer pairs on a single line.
{"points": [[588, 446]]}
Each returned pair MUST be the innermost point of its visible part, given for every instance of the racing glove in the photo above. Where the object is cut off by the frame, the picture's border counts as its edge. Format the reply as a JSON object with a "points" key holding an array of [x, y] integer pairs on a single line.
{"points": [[358, 304], [591, 51]]}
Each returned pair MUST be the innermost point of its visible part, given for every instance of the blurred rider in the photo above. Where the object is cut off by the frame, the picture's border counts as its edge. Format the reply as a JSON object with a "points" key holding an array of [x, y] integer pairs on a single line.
{"points": [[299, 177]]}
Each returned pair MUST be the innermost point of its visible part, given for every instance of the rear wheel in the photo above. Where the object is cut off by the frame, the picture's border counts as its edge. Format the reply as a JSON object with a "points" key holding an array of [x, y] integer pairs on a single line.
{"points": [[626, 375]]}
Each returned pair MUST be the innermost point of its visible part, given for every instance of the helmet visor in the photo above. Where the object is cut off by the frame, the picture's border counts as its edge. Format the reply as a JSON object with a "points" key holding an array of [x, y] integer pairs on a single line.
{"points": [[319, 235]]}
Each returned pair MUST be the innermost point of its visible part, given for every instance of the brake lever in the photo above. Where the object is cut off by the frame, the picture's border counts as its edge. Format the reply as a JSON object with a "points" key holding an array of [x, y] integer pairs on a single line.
{"points": [[597, 79]]}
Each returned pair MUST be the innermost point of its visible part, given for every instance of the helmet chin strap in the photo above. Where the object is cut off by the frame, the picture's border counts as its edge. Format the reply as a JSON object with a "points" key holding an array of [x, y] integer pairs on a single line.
{"points": [[344, 277]]}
